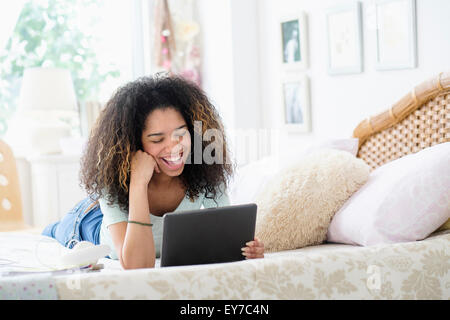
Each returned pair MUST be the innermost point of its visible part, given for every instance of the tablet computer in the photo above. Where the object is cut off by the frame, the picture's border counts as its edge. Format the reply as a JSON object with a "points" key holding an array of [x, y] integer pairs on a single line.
{"points": [[211, 235]]}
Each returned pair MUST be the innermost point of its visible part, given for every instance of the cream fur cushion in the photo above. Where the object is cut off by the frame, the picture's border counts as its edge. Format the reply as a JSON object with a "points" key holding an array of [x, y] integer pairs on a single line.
{"points": [[296, 207]]}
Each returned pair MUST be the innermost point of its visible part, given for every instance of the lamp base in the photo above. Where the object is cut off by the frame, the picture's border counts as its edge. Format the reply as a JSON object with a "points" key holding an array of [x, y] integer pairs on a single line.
{"points": [[46, 139], [31, 137]]}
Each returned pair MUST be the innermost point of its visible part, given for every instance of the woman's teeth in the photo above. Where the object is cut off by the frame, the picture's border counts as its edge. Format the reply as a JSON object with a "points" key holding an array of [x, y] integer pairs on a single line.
{"points": [[173, 159], [174, 163]]}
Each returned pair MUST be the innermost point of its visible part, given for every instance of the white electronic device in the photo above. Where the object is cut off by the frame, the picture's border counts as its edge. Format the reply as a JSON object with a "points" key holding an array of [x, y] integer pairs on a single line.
{"points": [[84, 253]]}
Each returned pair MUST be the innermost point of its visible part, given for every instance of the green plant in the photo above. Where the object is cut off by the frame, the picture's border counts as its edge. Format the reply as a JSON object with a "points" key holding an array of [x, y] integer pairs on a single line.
{"points": [[49, 34]]}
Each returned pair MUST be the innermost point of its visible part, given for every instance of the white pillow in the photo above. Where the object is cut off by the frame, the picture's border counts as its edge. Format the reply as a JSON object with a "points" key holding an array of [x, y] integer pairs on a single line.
{"points": [[251, 178], [344, 144], [296, 207], [404, 200], [292, 155]]}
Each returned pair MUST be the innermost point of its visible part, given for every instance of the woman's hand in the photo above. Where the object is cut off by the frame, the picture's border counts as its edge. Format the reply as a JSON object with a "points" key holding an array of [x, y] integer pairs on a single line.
{"points": [[254, 249], [142, 167]]}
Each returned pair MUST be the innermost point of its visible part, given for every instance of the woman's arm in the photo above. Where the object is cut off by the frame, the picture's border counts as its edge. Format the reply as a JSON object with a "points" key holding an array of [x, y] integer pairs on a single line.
{"points": [[138, 249], [133, 242]]}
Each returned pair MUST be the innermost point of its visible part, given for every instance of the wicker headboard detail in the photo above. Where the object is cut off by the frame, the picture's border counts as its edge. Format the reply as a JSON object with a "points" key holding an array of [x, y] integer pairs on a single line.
{"points": [[419, 120]]}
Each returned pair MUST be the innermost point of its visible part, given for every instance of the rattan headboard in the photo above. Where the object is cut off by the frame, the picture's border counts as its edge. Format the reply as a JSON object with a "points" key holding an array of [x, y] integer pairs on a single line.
{"points": [[419, 120]]}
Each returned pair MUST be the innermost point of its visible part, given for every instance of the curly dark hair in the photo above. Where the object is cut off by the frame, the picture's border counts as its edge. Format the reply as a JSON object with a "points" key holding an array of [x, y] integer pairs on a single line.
{"points": [[116, 136]]}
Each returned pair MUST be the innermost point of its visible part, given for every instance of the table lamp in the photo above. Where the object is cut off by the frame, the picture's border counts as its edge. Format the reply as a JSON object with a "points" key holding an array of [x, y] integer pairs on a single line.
{"points": [[45, 95]]}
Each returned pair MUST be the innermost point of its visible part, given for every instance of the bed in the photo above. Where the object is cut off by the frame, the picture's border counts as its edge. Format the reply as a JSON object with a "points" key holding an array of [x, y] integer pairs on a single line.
{"points": [[408, 270]]}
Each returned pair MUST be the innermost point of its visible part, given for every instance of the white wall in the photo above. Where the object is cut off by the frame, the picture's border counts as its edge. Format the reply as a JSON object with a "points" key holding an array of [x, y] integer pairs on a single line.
{"points": [[242, 73], [217, 56], [244, 26], [230, 65], [339, 103]]}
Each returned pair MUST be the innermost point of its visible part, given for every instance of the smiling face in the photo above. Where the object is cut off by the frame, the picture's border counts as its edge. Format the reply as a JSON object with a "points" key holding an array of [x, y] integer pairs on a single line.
{"points": [[166, 137]]}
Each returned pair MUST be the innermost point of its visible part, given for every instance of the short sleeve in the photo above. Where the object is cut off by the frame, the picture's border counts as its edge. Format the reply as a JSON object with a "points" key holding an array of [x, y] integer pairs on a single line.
{"points": [[222, 199], [112, 213]]}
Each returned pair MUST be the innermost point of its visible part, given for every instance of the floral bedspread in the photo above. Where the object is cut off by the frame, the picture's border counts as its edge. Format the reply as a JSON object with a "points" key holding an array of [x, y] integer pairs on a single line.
{"points": [[412, 270]]}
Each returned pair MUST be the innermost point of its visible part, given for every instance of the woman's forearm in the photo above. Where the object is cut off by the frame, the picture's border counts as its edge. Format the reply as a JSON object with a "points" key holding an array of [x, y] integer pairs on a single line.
{"points": [[138, 249]]}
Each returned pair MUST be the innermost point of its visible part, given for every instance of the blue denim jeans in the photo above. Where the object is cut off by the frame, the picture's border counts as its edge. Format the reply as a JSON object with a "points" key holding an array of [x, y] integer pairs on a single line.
{"points": [[79, 224]]}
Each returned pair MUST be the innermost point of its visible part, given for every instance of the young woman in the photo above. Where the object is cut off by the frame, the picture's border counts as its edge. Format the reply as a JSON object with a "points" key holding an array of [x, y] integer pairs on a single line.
{"points": [[146, 157]]}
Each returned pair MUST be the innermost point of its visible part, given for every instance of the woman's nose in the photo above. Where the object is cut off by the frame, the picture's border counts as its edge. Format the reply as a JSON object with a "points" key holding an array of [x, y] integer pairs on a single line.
{"points": [[173, 145]]}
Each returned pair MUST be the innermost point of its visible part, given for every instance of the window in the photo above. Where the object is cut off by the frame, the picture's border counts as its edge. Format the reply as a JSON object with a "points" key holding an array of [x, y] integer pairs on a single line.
{"points": [[91, 38]]}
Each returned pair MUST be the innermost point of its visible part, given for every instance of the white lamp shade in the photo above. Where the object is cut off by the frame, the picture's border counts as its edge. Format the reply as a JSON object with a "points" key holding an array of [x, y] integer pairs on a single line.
{"points": [[47, 89]]}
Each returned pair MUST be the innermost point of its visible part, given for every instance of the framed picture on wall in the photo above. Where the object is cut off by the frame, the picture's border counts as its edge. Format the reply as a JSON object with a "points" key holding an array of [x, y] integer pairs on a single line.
{"points": [[294, 42], [396, 34], [344, 30], [296, 103]]}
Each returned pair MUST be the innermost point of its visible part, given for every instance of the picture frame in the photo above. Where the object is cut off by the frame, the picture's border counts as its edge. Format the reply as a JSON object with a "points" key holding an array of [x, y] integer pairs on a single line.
{"points": [[296, 103], [294, 42], [344, 35], [396, 34]]}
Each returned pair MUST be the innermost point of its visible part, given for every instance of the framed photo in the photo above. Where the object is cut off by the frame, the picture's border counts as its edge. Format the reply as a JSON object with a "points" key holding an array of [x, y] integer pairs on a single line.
{"points": [[296, 103], [344, 29], [396, 34], [294, 42]]}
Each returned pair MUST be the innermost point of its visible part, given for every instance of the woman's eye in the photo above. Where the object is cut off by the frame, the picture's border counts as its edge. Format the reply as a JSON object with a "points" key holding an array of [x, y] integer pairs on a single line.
{"points": [[181, 134], [157, 141]]}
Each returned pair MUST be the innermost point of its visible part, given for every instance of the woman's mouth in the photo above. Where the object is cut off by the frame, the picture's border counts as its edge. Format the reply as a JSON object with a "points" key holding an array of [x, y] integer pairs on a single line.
{"points": [[173, 163]]}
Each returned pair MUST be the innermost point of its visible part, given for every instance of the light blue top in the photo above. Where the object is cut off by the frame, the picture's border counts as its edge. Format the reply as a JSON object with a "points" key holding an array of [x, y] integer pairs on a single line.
{"points": [[113, 214]]}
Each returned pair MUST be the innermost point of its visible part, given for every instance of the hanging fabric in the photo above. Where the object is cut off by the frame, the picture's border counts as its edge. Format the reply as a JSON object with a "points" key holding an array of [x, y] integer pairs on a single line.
{"points": [[164, 46], [177, 39]]}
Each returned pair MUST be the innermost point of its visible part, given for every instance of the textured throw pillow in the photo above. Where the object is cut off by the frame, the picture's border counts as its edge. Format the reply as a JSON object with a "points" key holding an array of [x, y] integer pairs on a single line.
{"points": [[251, 178], [296, 207], [404, 200]]}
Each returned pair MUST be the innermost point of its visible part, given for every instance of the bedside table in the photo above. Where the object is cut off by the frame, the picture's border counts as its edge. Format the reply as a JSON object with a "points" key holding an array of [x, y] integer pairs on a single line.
{"points": [[49, 187]]}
